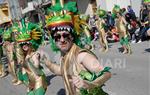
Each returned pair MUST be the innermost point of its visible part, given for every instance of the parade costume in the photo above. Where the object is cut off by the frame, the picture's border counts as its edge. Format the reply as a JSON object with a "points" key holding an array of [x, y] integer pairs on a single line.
{"points": [[19, 56], [69, 66], [2, 66], [70, 13], [101, 28], [121, 27], [7, 55], [9, 50], [32, 74]]}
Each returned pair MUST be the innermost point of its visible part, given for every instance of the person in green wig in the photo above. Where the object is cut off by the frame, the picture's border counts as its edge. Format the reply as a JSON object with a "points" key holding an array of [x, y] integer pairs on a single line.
{"points": [[8, 50], [29, 38], [122, 30], [100, 23], [2, 64], [18, 53], [80, 69]]}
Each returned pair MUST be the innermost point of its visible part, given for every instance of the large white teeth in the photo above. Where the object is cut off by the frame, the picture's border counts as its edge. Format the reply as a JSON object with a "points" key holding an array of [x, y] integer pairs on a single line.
{"points": [[53, 28], [68, 29], [61, 28], [65, 28], [58, 28]]}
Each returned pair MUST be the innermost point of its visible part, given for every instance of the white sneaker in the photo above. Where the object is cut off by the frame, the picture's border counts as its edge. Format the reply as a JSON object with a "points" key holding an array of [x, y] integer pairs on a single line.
{"points": [[139, 41], [133, 41]]}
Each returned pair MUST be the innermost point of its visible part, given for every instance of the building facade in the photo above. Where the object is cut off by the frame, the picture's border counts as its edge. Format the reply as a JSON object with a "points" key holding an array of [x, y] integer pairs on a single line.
{"points": [[29, 8], [34, 9], [14, 9], [4, 12], [87, 6]]}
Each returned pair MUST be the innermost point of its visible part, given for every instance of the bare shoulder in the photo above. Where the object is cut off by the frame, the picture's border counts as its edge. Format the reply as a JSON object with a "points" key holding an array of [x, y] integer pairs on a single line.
{"points": [[85, 56], [89, 61]]}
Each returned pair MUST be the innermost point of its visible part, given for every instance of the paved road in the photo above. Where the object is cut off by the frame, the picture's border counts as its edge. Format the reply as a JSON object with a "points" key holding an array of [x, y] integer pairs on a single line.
{"points": [[130, 73]]}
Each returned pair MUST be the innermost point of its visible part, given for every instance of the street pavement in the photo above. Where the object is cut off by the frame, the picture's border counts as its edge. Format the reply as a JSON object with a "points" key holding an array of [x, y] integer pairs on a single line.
{"points": [[130, 73]]}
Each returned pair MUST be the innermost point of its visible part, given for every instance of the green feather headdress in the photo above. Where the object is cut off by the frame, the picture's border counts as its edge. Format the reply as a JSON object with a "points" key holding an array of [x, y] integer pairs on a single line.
{"points": [[7, 35], [101, 13], [15, 27], [146, 1], [116, 10], [30, 33], [64, 17]]}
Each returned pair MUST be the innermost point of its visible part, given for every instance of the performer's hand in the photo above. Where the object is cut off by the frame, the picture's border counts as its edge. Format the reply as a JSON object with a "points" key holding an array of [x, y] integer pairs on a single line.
{"points": [[44, 58], [6, 43], [80, 83]]}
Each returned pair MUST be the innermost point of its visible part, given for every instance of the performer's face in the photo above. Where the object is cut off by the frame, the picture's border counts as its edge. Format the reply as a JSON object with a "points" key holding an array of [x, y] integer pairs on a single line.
{"points": [[118, 15], [63, 40], [25, 47]]}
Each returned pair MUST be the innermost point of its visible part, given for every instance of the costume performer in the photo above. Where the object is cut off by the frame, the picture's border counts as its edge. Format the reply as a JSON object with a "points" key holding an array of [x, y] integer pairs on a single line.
{"points": [[9, 51], [122, 30], [75, 61], [2, 64], [100, 23], [29, 38], [18, 53]]}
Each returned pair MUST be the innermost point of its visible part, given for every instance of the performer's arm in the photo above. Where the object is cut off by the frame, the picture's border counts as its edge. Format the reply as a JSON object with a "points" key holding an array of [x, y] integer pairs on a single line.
{"points": [[124, 21], [100, 80], [92, 64], [34, 66], [55, 68]]}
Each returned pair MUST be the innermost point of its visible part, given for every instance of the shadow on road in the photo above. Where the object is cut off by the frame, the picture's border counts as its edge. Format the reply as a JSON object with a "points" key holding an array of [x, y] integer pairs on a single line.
{"points": [[120, 49], [49, 78], [147, 50], [61, 92], [110, 46]]}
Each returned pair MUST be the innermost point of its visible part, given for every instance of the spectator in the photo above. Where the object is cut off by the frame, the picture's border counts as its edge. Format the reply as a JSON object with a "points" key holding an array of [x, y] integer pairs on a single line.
{"points": [[130, 14], [110, 21], [143, 12]]}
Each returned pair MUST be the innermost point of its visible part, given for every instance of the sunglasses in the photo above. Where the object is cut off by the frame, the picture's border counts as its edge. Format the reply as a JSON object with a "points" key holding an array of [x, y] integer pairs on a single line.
{"points": [[22, 44], [66, 36]]}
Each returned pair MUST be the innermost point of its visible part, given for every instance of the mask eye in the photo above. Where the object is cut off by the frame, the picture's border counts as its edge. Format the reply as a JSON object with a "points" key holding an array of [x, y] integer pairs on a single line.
{"points": [[57, 37], [65, 35]]}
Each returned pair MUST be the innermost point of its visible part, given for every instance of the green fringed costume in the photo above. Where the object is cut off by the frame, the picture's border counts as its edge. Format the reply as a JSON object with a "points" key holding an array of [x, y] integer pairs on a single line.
{"points": [[63, 18], [32, 76]]}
